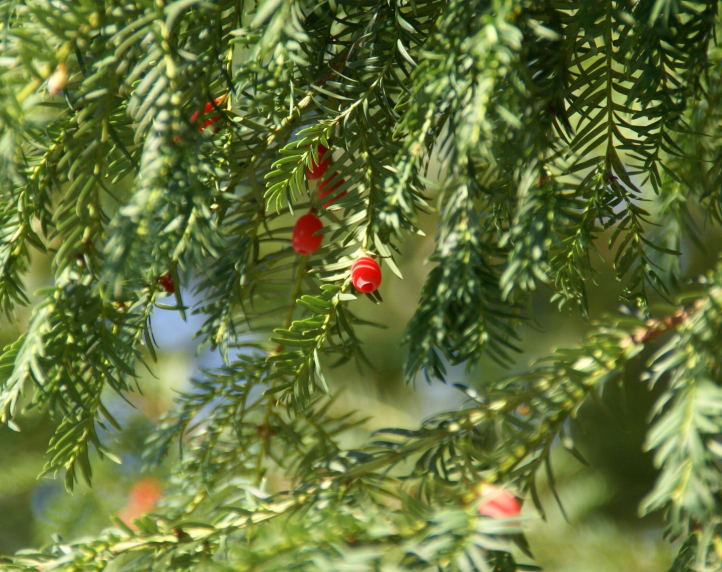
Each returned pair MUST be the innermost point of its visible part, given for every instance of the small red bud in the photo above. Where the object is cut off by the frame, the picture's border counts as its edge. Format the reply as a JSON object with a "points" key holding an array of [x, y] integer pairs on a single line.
{"points": [[317, 170], [166, 283], [303, 239], [366, 275]]}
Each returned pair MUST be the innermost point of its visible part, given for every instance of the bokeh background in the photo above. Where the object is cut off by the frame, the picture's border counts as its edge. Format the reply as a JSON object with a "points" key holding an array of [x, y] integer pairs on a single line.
{"points": [[602, 532]]}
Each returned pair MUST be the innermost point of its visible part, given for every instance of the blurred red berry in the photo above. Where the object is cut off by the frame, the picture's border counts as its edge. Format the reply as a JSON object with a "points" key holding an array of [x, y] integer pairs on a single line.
{"points": [[143, 495], [128, 514], [498, 503], [323, 191], [166, 283], [303, 239], [145, 492], [210, 106], [316, 171], [366, 274]]}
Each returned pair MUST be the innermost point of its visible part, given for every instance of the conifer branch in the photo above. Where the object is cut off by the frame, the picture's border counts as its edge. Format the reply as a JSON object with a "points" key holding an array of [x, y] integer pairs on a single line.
{"points": [[556, 124]]}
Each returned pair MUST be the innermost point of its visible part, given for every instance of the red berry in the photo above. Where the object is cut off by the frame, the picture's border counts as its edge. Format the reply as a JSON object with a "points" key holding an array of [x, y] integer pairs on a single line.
{"points": [[166, 283], [498, 503], [208, 108], [303, 239], [145, 493], [366, 274], [317, 170], [141, 498], [322, 192]]}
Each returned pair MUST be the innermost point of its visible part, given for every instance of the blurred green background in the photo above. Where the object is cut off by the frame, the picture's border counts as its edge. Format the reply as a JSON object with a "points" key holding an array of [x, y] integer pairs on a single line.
{"points": [[603, 532]]}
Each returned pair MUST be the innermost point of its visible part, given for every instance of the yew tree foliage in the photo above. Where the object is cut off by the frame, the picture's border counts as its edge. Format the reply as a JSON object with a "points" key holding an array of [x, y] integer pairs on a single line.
{"points": [[561, 127]]}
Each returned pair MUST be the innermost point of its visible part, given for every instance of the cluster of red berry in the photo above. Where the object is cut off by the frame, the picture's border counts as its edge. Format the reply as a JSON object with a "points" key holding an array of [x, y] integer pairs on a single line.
{"points": [[365, 272]]}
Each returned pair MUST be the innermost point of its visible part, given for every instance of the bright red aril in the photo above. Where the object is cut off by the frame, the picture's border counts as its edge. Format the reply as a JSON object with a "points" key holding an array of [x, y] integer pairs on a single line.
{"points": [[318, 170], [366, 275], [323, 190], [303, 239], [210, 106], [498, 503]]}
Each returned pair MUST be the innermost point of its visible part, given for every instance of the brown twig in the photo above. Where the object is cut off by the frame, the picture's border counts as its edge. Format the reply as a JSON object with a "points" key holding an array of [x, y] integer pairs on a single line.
{"points": [[657, 327]]}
